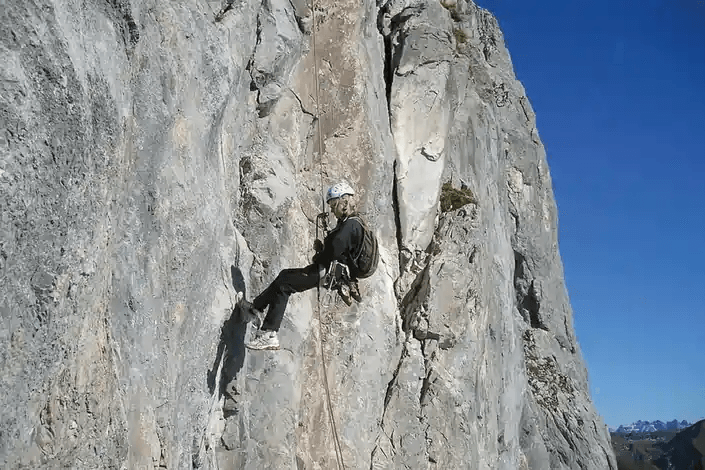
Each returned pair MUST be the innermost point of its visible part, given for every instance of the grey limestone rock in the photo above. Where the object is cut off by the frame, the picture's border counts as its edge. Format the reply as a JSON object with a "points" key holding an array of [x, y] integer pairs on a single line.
{"points": [[156, 158]]}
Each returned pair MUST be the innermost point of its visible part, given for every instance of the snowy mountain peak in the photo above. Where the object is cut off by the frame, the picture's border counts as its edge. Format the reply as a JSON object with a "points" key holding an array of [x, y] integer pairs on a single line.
{"points": [[651, 426]]}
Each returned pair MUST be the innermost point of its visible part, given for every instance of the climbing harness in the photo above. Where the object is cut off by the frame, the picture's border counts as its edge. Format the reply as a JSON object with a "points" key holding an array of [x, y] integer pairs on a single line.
{"points": [[338, 274], [336, 439], [336, 280]]}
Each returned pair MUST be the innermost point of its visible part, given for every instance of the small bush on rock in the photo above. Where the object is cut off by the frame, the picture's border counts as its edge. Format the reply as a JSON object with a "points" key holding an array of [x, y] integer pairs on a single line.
{"points": [[454, 198]]}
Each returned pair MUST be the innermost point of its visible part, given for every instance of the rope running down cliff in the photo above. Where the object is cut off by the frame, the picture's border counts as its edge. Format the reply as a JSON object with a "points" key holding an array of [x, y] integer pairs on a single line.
{"points": [[319, 117]]}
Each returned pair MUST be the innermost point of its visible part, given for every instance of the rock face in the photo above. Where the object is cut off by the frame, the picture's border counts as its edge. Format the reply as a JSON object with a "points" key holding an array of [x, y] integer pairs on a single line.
{"points": [[156, 157]]}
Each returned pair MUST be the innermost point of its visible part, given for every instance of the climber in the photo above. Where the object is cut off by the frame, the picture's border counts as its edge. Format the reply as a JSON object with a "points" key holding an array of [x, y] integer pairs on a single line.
{"points": [[347, 253]]}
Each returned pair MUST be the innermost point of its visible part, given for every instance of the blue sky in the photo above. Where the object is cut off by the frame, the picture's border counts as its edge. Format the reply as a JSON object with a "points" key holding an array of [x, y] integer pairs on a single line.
{"points": [[619, 92]]}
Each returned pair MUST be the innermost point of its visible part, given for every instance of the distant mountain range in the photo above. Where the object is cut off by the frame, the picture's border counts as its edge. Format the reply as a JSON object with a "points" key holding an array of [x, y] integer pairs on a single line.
{"points": [[651, 426], [665, 449]]}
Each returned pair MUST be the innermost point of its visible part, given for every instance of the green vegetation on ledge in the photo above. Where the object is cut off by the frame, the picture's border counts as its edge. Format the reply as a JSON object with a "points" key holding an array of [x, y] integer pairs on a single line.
{"points": [[454, 198]]}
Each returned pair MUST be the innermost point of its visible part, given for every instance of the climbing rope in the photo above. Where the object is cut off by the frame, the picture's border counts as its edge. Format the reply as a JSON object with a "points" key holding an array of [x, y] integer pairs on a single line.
{"points": [[319, 117]]}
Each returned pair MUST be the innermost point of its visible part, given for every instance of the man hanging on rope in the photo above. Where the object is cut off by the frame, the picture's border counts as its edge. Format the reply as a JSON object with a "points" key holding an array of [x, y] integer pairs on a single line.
{"points": [[347, 253]]}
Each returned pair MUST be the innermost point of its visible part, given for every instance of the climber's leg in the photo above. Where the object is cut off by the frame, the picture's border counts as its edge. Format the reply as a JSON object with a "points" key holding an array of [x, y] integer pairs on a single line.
{"points": [[276, 296]]}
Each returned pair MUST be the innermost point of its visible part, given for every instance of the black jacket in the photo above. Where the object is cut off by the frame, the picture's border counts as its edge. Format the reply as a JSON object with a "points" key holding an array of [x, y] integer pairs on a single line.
{"points": [[342, 244]]}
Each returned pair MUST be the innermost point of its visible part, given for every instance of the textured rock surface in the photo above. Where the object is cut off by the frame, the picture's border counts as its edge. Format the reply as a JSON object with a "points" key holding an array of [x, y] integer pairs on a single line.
{"points": [[153, 161]]}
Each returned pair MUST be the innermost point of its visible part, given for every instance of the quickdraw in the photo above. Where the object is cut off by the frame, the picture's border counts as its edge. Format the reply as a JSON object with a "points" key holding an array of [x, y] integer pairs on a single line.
{"points": [[337, 278]]}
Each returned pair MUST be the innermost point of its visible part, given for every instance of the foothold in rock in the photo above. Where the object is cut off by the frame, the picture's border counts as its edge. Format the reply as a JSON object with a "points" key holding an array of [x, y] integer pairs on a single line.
{"points": [[231, 389], [425, 334], [226, 8], [43, 281], [429, 156], [229, 406], [447, 343]]}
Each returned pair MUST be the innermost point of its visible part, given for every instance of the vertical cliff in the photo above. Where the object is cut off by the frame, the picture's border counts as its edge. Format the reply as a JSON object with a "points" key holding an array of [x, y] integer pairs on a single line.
{"points": [[156, 157]]}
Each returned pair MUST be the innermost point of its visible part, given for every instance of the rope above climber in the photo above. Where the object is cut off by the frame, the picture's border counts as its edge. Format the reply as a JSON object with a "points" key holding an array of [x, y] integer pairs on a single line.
{"points": [[347, 253]]}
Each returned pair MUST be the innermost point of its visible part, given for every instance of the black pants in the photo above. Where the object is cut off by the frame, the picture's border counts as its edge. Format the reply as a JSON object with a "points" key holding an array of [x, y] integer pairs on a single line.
{"points": [[276, 296]]}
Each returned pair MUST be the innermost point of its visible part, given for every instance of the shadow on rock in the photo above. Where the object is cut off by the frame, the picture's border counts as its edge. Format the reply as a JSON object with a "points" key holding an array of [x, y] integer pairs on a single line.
{"points": [[231, 349]]}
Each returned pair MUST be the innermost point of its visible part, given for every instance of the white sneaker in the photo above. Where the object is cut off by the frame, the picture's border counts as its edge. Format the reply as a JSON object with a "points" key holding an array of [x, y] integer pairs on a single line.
{"points": [[264, 340]]}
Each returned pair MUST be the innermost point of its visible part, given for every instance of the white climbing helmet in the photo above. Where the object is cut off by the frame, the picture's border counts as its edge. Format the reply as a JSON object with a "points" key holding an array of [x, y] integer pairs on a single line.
{"points": [[337, 190]]}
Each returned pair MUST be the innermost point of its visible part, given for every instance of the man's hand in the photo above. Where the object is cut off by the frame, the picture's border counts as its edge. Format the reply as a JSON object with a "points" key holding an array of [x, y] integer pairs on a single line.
{"points": [[317, 246]]}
